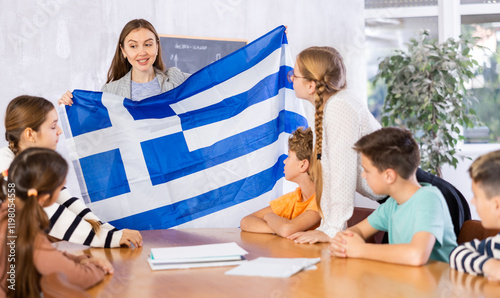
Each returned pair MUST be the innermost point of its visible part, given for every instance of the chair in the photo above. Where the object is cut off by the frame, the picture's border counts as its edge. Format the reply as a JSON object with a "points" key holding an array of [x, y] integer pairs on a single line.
{"points": [[473, 229], [457, 204], [358, 215], [56, 285]]}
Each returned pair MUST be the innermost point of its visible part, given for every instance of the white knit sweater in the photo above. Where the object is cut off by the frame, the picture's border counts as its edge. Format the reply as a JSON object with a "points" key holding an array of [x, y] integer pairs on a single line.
{"points": [[345, 120]]}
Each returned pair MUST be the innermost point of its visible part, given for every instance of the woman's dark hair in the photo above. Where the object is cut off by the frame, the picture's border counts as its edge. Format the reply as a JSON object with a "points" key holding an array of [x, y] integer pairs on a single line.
{"points": [[120, 65]]}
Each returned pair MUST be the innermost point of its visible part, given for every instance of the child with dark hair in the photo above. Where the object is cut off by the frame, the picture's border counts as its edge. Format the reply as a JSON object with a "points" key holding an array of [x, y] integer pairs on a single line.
{"points": [[35, 179], [415, 216]]}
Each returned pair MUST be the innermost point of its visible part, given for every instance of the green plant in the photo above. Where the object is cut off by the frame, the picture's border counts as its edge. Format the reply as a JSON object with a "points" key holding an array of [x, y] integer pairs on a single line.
{"points": [[426, 93]]}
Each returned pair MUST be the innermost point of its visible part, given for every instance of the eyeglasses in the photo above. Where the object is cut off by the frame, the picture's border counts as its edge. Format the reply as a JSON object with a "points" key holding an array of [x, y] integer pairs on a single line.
{"points": [[291, 76]]}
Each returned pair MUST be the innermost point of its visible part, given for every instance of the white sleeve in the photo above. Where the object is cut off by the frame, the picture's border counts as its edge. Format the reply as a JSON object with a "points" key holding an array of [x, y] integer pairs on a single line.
{"points": [[6, 158], [341, 129]]}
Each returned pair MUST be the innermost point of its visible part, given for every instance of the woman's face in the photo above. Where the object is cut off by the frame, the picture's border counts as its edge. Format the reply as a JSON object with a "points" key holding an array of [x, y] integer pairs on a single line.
{"points": [[47, 135], [140, 48]]}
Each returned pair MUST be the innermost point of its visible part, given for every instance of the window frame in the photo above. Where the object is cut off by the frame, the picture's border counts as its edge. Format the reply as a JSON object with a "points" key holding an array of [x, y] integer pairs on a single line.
{"points": [[448, 12]]}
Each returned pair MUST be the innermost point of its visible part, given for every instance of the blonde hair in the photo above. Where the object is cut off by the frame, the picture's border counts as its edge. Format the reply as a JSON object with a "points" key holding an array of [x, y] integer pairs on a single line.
{"points": [[325, 67]]}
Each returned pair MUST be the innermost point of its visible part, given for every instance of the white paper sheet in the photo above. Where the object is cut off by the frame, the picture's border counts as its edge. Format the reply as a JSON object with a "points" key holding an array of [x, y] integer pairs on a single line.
{"points": [[273, 267]]}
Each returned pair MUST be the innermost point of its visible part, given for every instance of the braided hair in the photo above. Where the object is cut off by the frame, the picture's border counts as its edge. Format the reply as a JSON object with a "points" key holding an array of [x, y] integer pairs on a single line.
{"points": [[325, 67]]}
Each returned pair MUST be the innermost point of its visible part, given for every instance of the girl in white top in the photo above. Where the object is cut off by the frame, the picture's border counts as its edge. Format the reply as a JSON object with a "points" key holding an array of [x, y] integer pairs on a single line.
{"points": [[32, 122], [319, 77]]}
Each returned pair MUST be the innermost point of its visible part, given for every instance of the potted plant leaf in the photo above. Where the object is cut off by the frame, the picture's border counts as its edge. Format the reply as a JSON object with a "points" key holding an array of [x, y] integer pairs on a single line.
{"points": [[426, 93]]}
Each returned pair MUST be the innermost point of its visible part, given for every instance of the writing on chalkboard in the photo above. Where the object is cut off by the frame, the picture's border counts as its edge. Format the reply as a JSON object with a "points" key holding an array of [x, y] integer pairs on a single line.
{"points": [[191, 54], [186, 46]]}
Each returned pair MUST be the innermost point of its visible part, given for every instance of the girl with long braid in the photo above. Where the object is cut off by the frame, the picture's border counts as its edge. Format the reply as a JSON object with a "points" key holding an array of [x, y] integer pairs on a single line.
{"points": [[34, 180], [319, 76]]}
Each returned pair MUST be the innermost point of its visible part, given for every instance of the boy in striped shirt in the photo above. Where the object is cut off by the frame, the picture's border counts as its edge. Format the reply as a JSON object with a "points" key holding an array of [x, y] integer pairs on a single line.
{"points": [[483, 257]]}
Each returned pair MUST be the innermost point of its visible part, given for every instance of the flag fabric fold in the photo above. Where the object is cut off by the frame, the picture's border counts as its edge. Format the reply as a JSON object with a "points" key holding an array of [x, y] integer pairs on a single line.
{"points": [[200, 155]]}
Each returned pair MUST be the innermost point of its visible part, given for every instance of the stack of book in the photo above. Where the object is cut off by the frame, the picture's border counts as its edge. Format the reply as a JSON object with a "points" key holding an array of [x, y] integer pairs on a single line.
{"points": [[209, 255]]}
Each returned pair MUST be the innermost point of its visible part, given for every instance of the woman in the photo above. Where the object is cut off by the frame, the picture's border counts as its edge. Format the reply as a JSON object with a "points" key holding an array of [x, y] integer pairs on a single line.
{"points": [[319, 76], [32, 122], [137, 70]]}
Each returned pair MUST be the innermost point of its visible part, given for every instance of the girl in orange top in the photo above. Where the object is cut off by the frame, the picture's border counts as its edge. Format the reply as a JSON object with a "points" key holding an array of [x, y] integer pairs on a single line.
{"points": [[35, 179]]}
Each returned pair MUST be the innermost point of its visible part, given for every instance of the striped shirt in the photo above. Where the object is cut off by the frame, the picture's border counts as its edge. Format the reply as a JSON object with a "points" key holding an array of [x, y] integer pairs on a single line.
{"points": [[470, 257], [67, 217], [68, 222]]}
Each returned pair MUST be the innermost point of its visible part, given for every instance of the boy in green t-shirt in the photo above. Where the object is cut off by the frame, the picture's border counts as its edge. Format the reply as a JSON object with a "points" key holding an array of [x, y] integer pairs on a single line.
{"points": [[415, 216]]}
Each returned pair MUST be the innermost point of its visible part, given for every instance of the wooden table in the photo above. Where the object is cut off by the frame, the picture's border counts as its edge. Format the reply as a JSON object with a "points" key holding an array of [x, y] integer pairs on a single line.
{"points": [[333, 278]]}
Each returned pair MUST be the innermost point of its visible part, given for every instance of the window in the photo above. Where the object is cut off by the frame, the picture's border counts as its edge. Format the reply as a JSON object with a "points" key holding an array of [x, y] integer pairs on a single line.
{"points": [[383, 36], [486, 86], [479, 1], [370, 4], [386, 31]]}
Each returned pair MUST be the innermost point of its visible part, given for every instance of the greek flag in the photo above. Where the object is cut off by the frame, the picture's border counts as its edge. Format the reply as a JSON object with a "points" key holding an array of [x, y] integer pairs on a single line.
{"points": [[204, 154]]}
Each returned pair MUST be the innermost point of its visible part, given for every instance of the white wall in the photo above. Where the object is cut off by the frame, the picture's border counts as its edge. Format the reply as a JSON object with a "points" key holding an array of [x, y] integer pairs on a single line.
{"points": [[50, 46]]}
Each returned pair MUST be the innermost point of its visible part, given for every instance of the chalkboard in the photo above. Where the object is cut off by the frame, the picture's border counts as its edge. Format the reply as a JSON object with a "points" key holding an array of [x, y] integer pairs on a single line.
{"points": [[191, 54]]}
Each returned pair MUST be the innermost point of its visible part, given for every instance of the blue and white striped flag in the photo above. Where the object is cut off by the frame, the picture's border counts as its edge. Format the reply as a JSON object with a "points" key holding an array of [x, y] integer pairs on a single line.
{"points": [[204, 154]]}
